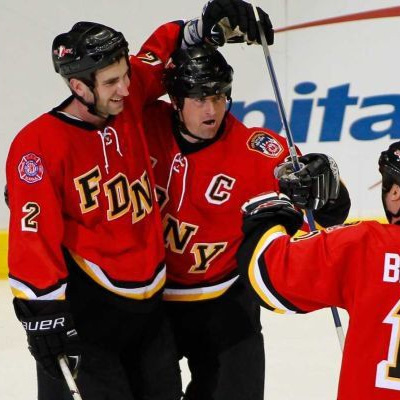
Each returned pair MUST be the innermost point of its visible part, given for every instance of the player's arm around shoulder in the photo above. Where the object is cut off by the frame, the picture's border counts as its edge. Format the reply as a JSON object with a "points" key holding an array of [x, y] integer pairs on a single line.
{"points": [[147, 65], [160, 44]]}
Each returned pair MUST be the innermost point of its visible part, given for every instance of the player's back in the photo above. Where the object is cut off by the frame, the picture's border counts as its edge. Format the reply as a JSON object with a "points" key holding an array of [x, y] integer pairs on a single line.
{"points": [[355, 267], [371, 364]]}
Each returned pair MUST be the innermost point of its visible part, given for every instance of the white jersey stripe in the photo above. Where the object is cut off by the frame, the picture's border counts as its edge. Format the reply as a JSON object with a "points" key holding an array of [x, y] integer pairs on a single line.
{"points": [[22, 291]]}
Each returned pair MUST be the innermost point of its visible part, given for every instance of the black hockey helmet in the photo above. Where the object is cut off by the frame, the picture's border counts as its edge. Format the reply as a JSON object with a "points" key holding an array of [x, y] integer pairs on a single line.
{"points": [[87, 47], [198, 71], [389, 166]]}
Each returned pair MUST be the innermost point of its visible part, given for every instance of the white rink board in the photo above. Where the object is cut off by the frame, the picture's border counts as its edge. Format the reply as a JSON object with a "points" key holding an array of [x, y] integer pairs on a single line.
{"points": [[302, 356], [362, 54]]}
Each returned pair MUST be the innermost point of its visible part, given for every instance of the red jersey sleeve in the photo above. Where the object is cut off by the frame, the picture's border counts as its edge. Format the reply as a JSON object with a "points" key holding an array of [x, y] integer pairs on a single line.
{"points": [[148, 64], [309, 272], [36, 264]]}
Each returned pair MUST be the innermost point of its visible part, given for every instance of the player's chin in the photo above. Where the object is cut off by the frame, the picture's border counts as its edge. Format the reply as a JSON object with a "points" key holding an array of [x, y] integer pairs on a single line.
{"points": [[209, 131], [115, 107]]}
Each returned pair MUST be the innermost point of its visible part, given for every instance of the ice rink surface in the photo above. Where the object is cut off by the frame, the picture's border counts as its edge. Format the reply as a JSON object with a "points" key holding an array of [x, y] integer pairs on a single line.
{"points": [[302, 355]]}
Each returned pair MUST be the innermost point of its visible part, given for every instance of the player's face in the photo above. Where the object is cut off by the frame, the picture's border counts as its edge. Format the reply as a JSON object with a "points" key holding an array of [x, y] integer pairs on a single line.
{"points": [[391, 201], [112, 85], [203, 116]]}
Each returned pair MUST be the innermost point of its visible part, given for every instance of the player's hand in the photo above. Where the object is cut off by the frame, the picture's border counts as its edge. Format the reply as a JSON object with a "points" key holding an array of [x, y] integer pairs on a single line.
{"points": [[49, 334], [314, 184], [227, 21], [269, 209]]}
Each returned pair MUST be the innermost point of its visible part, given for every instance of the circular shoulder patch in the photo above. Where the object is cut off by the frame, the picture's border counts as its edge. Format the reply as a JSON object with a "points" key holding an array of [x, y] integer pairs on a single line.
{"points": [[30, 168], [265, 144]]}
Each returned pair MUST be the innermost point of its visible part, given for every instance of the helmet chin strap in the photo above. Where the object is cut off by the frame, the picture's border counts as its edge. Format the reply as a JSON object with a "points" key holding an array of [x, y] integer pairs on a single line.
{"points": [[89, 82], [90, 106], [185, 131]]}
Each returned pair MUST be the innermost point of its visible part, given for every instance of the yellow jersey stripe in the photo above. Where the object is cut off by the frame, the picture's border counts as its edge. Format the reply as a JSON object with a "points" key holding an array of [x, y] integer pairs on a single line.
{"points": [[254, 270], [138, 293], [196, 294]]}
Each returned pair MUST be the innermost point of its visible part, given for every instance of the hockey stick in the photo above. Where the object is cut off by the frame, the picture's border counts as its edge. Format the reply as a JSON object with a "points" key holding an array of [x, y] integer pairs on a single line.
{"points": [[292, 148], [62, 360]]}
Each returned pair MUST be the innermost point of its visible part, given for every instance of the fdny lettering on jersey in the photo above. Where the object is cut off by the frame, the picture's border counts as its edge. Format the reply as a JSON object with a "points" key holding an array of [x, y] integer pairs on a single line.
{"points": [[117, 192], [265, 144], [30, 168], [177, 235], [120, 193], [204, 253], [142, 197], [162, 196], [89, 188]]}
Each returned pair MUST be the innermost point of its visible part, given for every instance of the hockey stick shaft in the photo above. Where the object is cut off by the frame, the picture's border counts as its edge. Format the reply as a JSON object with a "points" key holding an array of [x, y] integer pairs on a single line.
{"points": [[291, 146], [69, 378]]}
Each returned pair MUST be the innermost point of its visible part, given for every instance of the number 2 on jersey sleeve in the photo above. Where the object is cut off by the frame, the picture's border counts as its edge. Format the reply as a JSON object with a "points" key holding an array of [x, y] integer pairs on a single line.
{"points": [[388, 371], [28, 222]]}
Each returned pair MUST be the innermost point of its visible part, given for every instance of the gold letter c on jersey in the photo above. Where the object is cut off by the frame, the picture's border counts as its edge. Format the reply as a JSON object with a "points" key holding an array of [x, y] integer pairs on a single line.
{"points": [[218, 190]]}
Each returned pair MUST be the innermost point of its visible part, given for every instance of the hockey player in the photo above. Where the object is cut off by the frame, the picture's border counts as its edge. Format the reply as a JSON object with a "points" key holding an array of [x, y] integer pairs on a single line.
{"points": [[206, 164], [355, 267], [86, 254]]}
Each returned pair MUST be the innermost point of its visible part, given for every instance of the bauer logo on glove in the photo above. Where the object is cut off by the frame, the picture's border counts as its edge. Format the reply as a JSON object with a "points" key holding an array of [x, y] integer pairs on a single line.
{"points": [[44, 325]]}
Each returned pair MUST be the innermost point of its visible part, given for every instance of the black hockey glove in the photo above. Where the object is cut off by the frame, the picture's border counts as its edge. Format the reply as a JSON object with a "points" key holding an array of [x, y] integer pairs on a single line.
{"points": [[314, 184], [269, 209], [227, 21], [50, 332]]}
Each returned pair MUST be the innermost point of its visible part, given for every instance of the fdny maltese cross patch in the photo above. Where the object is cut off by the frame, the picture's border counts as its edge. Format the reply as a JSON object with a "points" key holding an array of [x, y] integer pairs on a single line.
{"points": [[30, 168], [264, 144]]}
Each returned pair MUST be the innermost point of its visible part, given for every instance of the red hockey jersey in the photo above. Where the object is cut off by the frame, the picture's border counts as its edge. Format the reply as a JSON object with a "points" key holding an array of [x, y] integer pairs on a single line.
{"points": [[91, 192], [201, 194], [355, 267]]}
